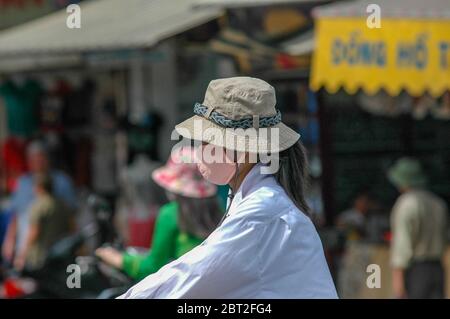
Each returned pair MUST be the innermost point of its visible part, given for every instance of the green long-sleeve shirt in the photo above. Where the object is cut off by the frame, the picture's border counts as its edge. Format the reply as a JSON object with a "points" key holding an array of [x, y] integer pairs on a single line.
{"points": [[169, 243]]}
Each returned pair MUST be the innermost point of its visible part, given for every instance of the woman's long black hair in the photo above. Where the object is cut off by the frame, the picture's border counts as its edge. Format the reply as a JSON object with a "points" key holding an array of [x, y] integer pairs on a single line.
{"points": [[293, 175], [198, 216]]}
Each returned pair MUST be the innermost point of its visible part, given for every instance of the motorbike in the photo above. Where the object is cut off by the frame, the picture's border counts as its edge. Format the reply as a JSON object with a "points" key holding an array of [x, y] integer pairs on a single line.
{"points": [[65, 273]]}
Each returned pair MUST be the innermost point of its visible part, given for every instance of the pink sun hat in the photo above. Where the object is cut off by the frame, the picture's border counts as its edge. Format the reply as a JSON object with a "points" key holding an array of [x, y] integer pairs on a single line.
{"points": [[180, 175]]}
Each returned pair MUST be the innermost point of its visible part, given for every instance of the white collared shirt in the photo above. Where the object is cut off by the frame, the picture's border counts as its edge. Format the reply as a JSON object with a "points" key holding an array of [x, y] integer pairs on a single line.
{"points": [[265, 248]]}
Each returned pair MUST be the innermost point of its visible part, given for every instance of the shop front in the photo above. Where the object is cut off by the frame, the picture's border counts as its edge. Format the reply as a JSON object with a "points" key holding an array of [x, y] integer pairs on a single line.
{"points": [[384, 94], [105, 98]]}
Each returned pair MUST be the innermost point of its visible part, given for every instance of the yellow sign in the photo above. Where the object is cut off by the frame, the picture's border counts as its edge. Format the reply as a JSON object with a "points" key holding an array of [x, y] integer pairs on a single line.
{"points": [[402, 54]]}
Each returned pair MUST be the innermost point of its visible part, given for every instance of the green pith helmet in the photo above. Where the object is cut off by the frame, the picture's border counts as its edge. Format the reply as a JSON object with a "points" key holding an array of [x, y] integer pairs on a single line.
{"points": [[407, 172]]}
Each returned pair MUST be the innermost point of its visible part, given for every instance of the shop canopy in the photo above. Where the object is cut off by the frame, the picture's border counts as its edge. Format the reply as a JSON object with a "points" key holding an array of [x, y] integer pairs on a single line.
{"points": [[250, 3], [410, 50], [105, 25]]}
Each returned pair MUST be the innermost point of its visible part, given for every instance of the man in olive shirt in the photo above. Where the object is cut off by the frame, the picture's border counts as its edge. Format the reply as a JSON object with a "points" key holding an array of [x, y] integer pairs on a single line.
{"points": [[50, 221], [419, 225]]}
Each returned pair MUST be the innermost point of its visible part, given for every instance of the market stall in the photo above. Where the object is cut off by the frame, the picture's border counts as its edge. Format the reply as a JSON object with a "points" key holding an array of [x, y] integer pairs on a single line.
{"points": [[105, 95], [384, 93], [394, 73]]}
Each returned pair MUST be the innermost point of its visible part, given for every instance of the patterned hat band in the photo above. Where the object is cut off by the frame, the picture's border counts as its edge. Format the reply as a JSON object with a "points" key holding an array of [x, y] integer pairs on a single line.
{"points": [[245, 123]]}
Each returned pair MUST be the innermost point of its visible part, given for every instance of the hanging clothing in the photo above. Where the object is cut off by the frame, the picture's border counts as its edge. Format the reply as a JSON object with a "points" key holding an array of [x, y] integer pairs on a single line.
{"points": [[22, 107], [79, 104], [13, 161], [3, 123], [169, 243], [103, 165], [265, 248], [52, 107]]}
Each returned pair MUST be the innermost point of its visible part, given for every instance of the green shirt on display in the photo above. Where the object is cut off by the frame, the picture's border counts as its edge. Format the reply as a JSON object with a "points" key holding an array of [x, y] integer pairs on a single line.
{"points": [[21, 105], [168, 244]]}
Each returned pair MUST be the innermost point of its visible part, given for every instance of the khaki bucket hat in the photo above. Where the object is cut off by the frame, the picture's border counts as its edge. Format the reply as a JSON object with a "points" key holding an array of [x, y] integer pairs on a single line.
{"points": [[239, 114]]}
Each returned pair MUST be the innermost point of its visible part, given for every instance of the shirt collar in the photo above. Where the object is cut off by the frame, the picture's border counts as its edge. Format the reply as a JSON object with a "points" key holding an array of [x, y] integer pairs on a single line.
{"points": [[251, 181]]}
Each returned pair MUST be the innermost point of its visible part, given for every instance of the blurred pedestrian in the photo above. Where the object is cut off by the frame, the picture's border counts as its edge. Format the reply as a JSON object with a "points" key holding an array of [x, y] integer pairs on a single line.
{"points": [[419, 226], [354, 220], [49, 221], [23, 197], [191, 215]]}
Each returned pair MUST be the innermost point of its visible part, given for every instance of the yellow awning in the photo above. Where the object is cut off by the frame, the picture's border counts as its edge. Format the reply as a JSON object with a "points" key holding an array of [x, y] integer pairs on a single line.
{"points": [[408, 53]]}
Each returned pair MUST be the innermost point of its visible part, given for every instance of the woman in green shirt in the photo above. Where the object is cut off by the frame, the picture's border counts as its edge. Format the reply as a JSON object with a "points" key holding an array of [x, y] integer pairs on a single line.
{"points": [[182, 224]]}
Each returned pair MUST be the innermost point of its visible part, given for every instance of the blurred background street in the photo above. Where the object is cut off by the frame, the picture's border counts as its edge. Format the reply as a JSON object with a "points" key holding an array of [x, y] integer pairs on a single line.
{"points": [[94, 108]]}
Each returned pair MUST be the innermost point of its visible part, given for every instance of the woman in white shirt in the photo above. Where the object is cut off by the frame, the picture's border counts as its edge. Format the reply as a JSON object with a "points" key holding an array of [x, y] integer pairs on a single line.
{"points": [[266, 246]]}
